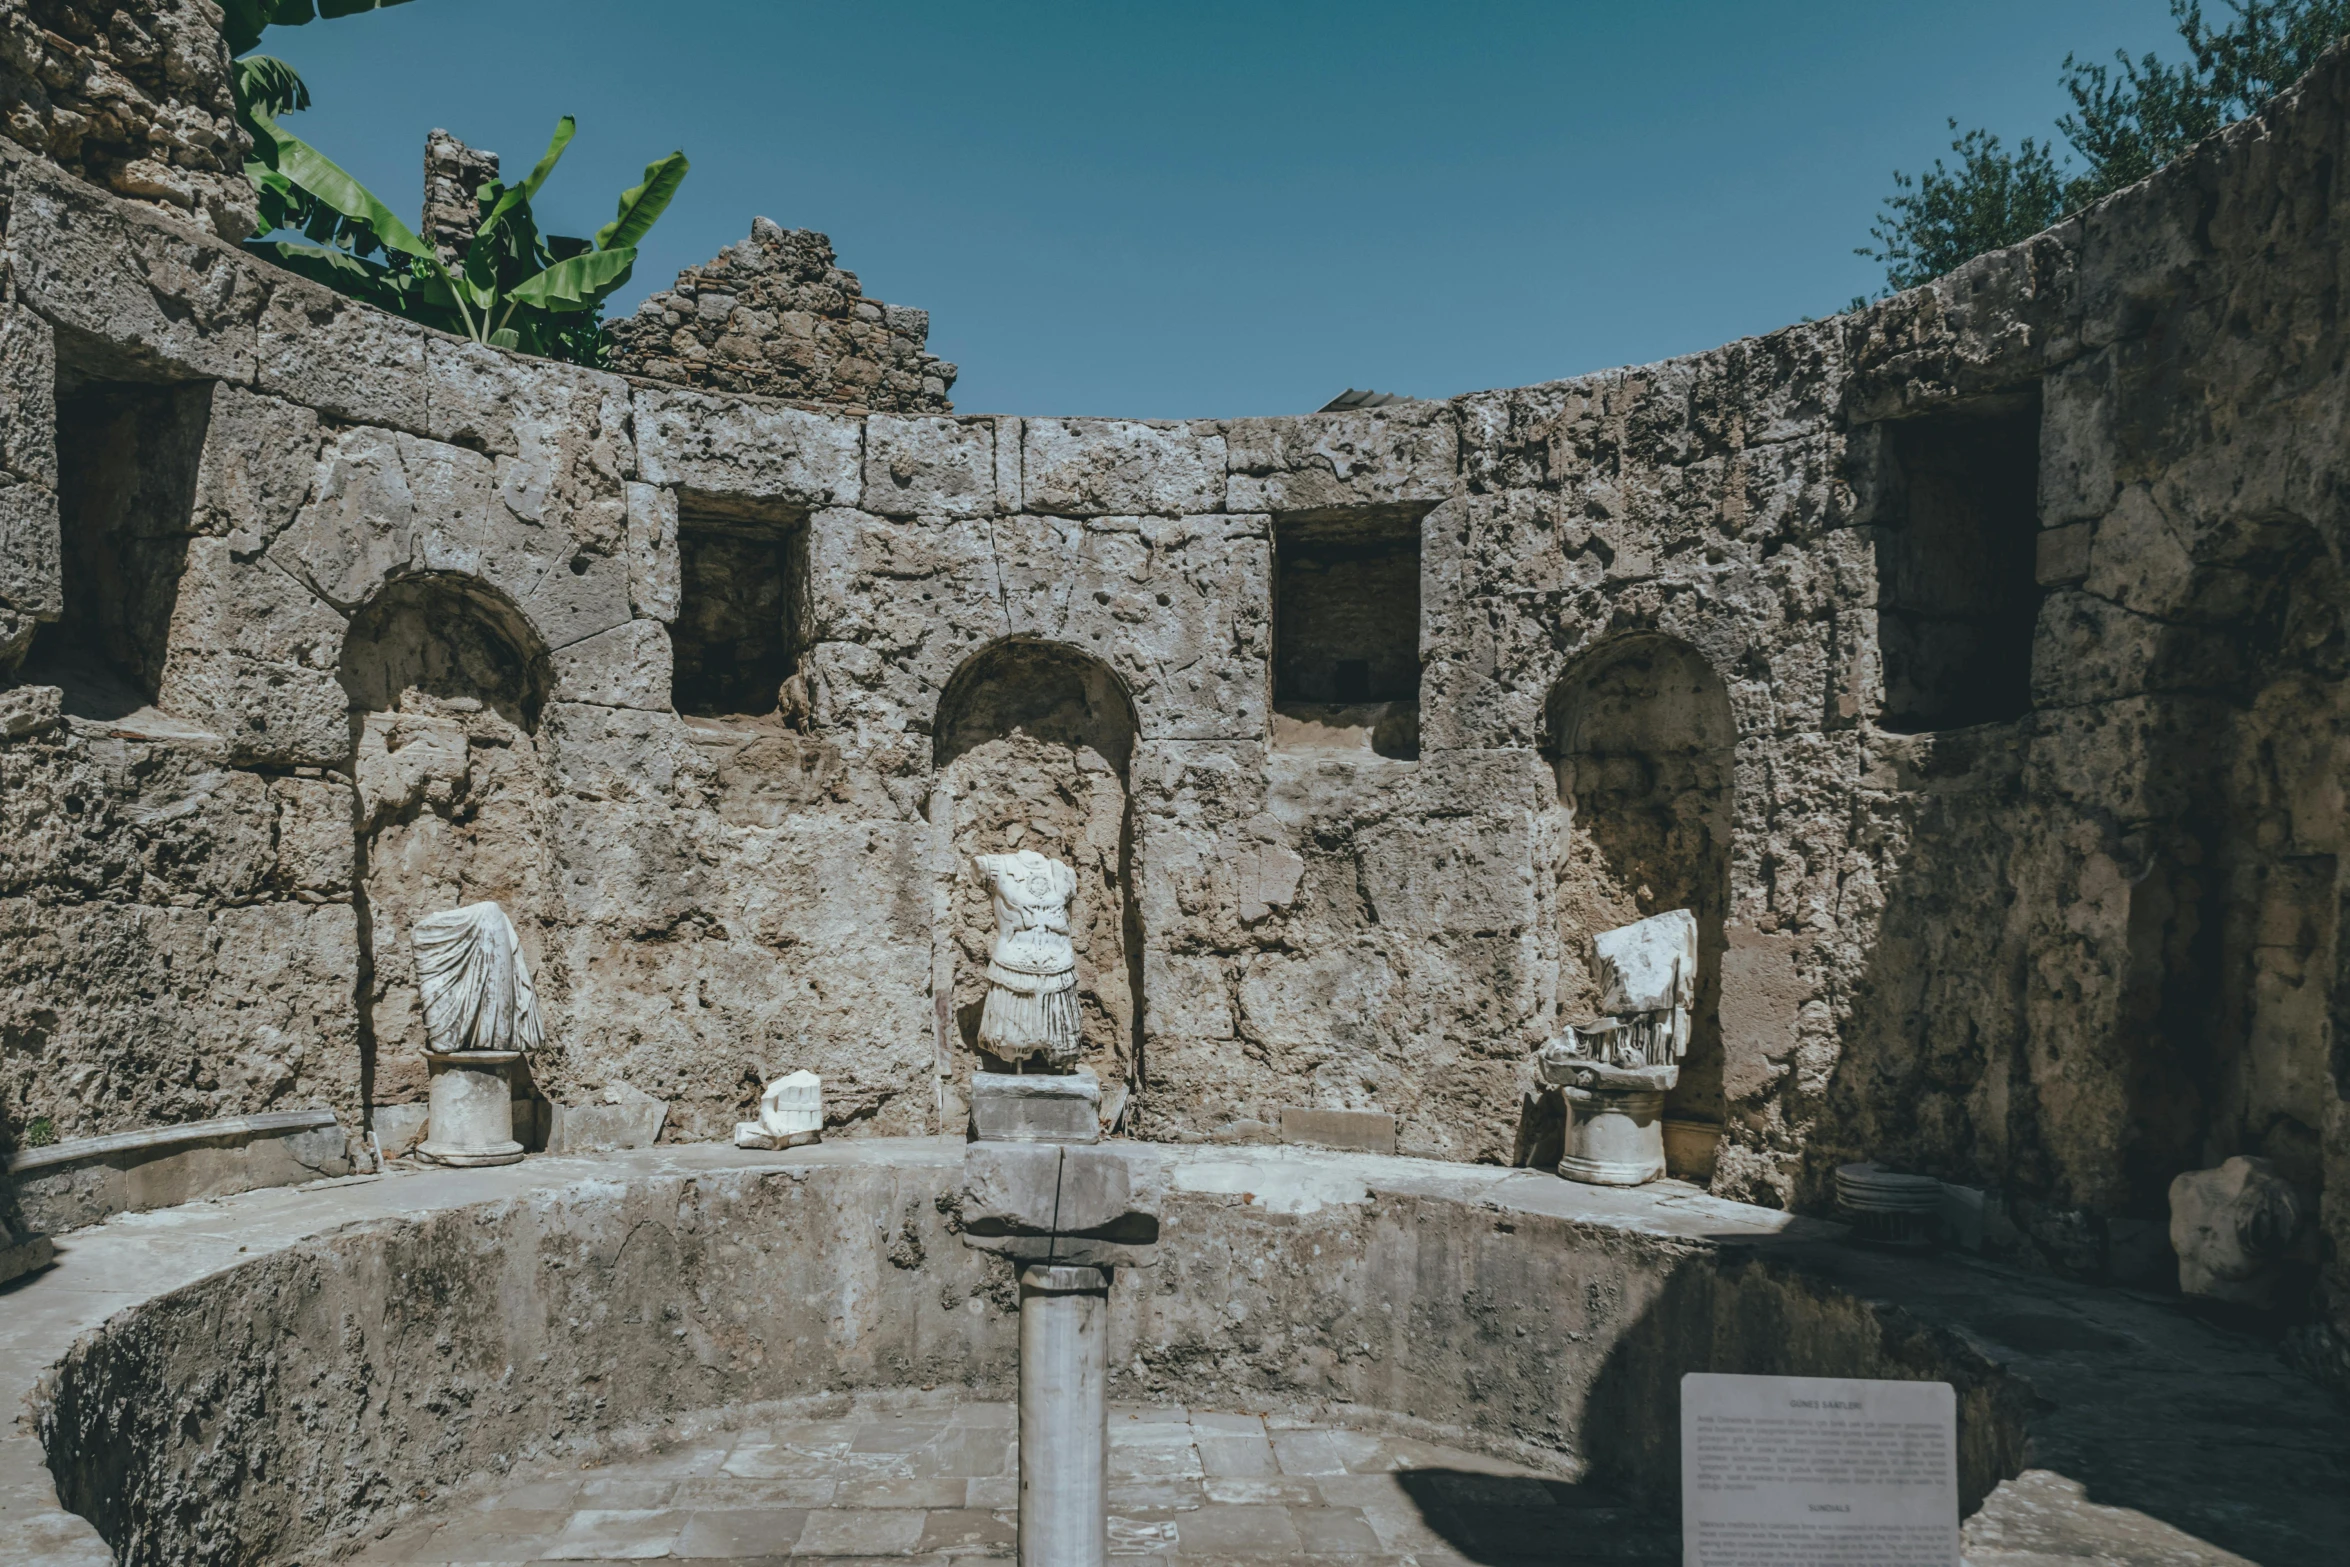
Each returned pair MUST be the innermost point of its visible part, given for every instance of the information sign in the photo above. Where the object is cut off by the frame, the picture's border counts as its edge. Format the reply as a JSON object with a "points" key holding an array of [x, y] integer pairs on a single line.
{"points": [[1818, 1472]]}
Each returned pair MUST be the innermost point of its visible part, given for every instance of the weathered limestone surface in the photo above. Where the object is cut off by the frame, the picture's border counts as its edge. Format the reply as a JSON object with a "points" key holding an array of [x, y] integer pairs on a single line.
{"points": [[2062, 950]]}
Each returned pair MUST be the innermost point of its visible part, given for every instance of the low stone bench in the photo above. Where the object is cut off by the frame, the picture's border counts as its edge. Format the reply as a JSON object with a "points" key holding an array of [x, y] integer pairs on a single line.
{"points": [[71, 1184]]}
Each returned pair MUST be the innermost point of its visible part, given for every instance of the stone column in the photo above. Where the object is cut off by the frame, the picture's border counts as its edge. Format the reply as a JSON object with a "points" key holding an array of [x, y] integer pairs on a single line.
{"points": [[472, 1115], [1064, 1415]]}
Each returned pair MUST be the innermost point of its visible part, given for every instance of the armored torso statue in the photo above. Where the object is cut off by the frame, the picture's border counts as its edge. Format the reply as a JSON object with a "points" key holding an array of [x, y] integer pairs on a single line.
{"points": [[1032, 969]]}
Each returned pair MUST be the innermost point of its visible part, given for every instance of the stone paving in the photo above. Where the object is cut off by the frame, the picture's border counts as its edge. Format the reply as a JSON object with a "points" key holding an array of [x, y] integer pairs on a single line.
{"points": [[939, 1484]]}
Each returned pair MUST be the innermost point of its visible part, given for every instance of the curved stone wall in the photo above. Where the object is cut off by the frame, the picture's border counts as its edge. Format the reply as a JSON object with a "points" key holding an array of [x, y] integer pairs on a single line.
{"points": [[325, 1388]]}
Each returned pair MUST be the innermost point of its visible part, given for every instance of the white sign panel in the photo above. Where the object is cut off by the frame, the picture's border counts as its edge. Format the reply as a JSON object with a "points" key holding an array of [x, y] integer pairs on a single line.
{"points": [[1818, 1472]]}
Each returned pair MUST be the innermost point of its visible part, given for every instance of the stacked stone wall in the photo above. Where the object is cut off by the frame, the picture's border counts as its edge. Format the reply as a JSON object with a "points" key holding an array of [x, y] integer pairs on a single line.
{"points": [[775, 316], [2063, 955], [132, 97]]}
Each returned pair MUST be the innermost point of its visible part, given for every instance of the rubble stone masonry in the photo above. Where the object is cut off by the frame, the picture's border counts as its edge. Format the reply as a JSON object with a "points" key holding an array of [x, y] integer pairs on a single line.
{"points": [[773, 315]]}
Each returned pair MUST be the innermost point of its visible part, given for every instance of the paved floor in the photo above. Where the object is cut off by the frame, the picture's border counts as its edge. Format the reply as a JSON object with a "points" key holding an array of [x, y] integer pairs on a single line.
{"points": [[937, 1484]]}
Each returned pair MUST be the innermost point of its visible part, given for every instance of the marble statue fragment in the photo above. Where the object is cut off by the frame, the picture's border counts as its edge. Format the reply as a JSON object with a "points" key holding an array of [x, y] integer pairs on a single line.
{"points": [[476, 987], [791, 1113], [1031, 1008], [2239, 1230], [1615, 1070], [480, 1017]]}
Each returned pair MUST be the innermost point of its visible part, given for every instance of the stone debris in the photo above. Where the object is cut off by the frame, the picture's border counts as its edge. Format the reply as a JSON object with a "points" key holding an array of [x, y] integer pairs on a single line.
{"points": [[773, 316], [791, 1114]]}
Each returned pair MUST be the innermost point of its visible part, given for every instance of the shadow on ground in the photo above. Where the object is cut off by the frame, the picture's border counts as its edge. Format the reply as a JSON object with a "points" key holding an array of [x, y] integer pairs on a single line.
{"points": [[1519, 1520]]}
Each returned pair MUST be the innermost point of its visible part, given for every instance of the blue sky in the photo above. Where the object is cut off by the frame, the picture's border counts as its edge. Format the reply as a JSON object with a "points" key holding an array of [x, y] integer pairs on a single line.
{"points": [[1223, 209]]}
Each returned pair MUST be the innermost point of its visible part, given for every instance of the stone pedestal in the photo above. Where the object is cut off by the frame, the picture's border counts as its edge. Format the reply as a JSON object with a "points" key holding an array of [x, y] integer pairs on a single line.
{"points": [[1615, 1120], [472, 1116], [1615, 1136], [1064, 1415]]}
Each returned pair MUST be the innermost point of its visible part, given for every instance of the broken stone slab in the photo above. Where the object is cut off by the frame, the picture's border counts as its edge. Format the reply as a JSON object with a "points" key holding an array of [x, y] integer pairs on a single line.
{"points": [[1365, 1131], [1649, 965], [629, 1118], [1023, 1107]]}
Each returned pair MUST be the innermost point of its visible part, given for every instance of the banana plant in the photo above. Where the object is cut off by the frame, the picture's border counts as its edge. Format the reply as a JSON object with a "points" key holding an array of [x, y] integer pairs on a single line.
{"points": [[512, 288], [242, 20]]}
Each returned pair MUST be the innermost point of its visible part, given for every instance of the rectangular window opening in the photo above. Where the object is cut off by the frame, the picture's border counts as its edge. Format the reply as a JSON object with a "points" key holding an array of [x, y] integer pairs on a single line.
{"points": [[1346, 629], [1956, 596], [736, 639], [127, 458]]}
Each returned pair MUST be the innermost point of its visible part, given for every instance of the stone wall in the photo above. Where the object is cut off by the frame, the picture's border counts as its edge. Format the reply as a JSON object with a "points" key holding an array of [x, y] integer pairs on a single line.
{"points": [[2010, 818], [773, 315]]}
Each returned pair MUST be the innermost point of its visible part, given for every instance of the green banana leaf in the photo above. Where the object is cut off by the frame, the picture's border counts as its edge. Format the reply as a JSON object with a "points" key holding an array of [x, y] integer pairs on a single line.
{"points": [[579, 283], [515, 196], [263, 82], [243, 20], [401, 290], [642, 204], [318, 174]]}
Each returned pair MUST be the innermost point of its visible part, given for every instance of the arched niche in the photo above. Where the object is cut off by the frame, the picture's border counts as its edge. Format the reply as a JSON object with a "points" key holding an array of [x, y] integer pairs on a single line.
{"points": [[445, 679], [1640, 737], [1032, 744]]}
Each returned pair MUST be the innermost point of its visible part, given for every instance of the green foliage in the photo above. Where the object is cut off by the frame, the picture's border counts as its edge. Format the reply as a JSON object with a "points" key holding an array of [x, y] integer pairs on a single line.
{"points": [[514, 287], [40, 1132], [2129, 119], [1945, 216], [243, 20]]}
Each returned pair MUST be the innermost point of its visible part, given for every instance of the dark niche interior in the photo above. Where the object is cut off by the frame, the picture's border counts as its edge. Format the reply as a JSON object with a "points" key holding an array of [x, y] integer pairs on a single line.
{"points": [[127, 456], [735, 638], [1346, 624], [1956, 593]]}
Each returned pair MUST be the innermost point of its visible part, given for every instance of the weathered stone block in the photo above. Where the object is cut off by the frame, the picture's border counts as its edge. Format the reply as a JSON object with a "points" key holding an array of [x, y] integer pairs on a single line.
{"points": [[1093, 467], [259, 461], [341, 358], [939, 467], [28, 398], [748, 453], [1035, 1108], [315, 846], [252, 656], [1405, 456], [2061, 555], [1185, 995], [627, 666], [652, 551], [1364, 1131], [630, 1119], [149, 297], [31, 569], [581, 596]]}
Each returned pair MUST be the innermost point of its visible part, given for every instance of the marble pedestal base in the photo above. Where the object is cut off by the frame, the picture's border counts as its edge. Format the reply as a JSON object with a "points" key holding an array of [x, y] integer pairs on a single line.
{"points": [[1064, 1416], [1615, 1136], [472, 1109]]}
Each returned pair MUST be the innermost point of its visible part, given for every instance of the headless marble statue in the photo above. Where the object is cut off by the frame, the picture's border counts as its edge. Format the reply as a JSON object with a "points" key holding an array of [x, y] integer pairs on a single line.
{"points": [[1031, 970], [477, 992]]}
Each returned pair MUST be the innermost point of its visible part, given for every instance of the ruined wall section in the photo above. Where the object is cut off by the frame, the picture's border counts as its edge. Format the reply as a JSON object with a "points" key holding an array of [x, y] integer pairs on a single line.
{"points": [[776, 316], [134, 98]]}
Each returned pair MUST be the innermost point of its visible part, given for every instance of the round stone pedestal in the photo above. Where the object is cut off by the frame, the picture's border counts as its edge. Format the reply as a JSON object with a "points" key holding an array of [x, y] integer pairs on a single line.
{"points": [[1615, 1136], [472, 1119], [1064, 1416]]}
